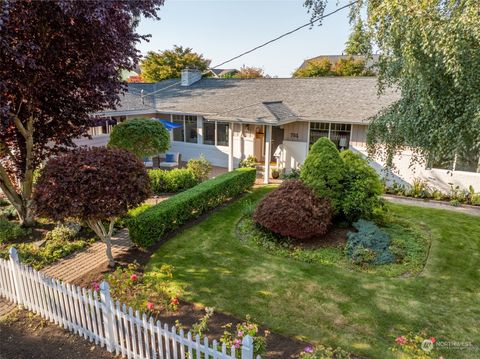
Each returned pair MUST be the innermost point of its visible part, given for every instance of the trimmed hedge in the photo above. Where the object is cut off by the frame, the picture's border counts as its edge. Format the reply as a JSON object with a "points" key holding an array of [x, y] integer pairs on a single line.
{"points": [[150, 225], [176, 180]]}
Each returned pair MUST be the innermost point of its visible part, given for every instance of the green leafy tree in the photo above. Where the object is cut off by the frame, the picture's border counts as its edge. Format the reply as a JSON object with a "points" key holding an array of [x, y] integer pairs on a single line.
{"points": [[168, 64], [351, 67], [362, 188], [143, 137], [315, 68], [324, 171], [430, 51], [249, 72], [358, 42]]}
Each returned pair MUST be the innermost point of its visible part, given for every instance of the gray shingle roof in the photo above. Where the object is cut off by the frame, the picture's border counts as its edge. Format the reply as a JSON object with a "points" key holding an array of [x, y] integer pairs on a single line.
{"points": [[270, 100]]}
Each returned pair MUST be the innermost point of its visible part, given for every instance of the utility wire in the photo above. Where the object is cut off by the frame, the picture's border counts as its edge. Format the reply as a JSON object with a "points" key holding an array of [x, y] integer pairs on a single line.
{"points": [[310, 23], [286, 34]]}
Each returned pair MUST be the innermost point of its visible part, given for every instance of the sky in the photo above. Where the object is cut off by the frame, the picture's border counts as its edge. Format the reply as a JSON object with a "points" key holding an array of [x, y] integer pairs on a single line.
{"points": [[221, 29]]}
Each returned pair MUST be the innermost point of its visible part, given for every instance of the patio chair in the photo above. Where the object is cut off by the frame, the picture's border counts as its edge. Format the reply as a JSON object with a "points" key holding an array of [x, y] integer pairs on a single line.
{"points": [[172, 160]]}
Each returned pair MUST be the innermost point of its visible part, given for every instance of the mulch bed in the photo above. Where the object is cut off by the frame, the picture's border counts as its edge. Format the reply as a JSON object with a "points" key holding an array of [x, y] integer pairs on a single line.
{"points": [[27, 336], [335, 237]]}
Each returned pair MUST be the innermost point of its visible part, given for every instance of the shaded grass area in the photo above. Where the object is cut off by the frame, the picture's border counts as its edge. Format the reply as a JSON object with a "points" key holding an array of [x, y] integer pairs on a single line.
{"points": [[361, 312]]}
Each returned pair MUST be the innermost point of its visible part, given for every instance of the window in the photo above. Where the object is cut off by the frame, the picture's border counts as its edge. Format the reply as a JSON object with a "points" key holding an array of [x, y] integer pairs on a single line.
{"points": [[317, 130], [340, 135], [208, 132], [222, 133], [191, 129], [178, 133], [469, 162]]}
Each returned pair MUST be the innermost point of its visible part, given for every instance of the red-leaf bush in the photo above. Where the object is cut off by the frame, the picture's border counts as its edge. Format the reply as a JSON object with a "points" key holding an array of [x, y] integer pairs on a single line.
{"points": [[293, 210], [91, 185]]}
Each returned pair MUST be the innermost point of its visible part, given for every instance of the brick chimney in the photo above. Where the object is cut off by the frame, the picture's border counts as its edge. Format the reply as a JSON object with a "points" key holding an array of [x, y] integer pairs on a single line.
{"points": [[190, 76]]}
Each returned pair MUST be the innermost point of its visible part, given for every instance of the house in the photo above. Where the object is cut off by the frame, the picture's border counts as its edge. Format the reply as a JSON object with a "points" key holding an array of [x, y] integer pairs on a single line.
{"points": [[230, 119], [223, 72]]}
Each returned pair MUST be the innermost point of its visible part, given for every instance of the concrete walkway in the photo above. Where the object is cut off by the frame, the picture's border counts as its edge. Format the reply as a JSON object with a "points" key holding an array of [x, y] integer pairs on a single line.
{"points": [[82, 262], [433, 204]]}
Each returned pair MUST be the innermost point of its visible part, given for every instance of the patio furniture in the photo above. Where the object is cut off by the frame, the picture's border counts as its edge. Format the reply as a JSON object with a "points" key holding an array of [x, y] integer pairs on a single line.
{"points": [[172, 160], [148, 161]]}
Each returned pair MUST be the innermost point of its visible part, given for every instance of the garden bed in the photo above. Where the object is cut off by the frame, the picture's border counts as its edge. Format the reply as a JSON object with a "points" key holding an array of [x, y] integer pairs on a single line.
{"points": [[330, 248]]}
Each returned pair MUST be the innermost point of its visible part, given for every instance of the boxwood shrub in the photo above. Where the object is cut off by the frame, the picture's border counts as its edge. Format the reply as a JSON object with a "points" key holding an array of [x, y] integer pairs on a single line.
{"points": [[150, 225]]}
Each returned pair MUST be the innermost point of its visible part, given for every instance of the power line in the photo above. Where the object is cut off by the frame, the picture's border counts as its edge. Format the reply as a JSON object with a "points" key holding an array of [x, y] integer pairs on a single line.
{"points": [[263, 45], [286, 34]]}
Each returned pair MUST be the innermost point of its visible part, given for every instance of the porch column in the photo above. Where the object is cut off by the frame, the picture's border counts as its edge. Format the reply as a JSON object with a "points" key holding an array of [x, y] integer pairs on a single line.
{"points": [[230, 146], [268, 144]]}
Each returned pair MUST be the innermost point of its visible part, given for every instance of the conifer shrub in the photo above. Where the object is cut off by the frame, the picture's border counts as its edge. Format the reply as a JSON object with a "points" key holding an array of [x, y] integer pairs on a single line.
{"points": [[324, 171], [362, 188], [370, 245], [293, 210]]}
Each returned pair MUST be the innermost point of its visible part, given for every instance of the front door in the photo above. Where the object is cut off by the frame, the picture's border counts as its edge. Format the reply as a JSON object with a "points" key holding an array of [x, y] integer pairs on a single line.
{"points": [[277, 139]]}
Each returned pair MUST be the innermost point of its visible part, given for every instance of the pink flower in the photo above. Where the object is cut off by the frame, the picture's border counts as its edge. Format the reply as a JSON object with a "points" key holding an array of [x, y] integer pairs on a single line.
{"points": [[401, 340], [150, 306], [95, 286], [308, 349], [433, 339], [240, 334], [237, 343], [174, 301], [133, 277]]}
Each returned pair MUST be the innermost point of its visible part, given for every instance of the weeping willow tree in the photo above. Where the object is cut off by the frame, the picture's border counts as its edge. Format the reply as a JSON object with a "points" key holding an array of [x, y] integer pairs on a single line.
{"points": [[430, 51]]}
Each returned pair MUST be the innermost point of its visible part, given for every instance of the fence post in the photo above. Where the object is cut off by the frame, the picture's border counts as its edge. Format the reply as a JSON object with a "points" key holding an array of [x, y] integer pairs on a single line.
{"points": [[107, 314], [247, 347], [17, 282]]}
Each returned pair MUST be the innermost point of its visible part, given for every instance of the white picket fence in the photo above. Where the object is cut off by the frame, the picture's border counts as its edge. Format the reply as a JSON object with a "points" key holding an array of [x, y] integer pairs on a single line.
{"points": [[98, 319]]}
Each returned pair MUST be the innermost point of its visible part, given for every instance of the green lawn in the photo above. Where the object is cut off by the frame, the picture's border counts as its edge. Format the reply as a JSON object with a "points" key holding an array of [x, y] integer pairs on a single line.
{"points": [[360, 312]]}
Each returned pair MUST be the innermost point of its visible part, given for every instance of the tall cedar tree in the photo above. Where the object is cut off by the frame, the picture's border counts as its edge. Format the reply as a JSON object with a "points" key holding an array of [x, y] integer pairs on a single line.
{"points": [[92, 185], [59, 63]]}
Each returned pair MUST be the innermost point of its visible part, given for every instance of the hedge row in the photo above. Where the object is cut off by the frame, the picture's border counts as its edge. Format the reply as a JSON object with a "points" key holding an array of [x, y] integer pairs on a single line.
{"points": [[150, 225]]}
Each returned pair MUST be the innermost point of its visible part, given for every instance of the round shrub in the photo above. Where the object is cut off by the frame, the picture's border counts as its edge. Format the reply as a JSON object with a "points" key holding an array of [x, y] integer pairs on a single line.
{"points": [[323, 171], [293, 210], [200, 168], [143, 137], [362, 188]]}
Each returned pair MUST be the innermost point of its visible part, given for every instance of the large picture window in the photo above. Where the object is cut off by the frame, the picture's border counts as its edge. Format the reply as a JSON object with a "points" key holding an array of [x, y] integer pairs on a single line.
{"points": [[338, 133], [178, 133], [208, 132], [191, 129], [222, 133]]}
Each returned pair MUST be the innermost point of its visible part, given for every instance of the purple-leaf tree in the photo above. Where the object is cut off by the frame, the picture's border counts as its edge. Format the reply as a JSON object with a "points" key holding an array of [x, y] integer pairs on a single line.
{"points": [[94, 186], [59, 64]]}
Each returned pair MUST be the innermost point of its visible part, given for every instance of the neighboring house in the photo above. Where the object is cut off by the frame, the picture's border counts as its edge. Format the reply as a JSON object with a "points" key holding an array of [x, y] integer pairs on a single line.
{"points": [[230, 119], [223, 72], [369, 62]]}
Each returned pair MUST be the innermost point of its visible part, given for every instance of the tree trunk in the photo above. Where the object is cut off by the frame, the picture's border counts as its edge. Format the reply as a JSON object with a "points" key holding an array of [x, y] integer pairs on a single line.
{"points": [[105, 236]]}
